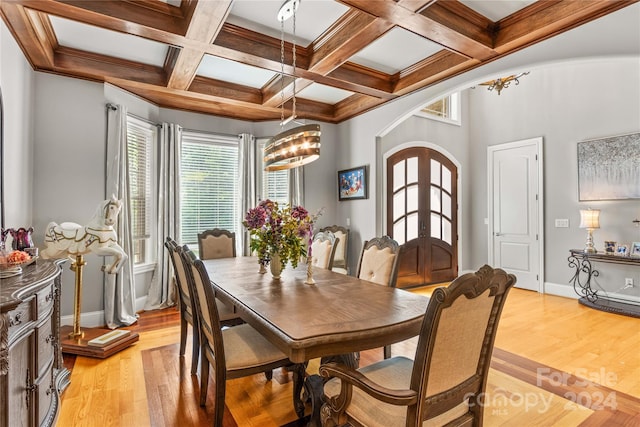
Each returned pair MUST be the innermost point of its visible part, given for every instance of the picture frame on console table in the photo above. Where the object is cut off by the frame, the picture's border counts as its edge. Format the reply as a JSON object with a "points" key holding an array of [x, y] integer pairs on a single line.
{"points": [[622, 250], [353, 183], [609, 247], [635, 250]]}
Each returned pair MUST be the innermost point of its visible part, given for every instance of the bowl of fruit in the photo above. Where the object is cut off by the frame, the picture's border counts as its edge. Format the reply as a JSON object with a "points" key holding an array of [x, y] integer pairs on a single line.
{"points": [[15, 259]]}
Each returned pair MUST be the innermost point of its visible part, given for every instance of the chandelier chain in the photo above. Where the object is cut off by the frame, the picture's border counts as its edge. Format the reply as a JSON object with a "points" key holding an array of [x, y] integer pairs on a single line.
{"points": [[293, 111], [281, 72]]}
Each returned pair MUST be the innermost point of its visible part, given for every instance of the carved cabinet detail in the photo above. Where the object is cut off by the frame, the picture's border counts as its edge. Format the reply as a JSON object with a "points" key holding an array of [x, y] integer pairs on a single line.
{"points": [[32, 374]]}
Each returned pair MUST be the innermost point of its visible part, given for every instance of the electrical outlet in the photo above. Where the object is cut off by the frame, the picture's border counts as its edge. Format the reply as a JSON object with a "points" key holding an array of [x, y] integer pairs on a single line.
{"points": [[628, 282]]}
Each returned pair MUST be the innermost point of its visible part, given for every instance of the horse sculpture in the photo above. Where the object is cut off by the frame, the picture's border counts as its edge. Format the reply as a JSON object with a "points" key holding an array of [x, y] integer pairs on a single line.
{"points": [[98, 236]]}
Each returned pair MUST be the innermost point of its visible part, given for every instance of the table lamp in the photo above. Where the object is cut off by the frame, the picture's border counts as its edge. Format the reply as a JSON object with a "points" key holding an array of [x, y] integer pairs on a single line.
{"points": [[590, 219]]}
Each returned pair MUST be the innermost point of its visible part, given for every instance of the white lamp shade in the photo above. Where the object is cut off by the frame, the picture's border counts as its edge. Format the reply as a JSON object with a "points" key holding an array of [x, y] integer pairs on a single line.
{"points": [[590, 218]]}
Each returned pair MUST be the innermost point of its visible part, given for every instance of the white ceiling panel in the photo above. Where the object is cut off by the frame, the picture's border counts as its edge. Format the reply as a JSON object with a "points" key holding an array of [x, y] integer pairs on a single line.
{"points": [[496, 10], [384, 54], [106, 42], [321, 93], [312, 18], [234, 72]]}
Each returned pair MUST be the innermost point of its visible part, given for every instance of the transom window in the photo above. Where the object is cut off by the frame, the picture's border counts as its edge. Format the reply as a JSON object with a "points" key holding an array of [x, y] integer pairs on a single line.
{"points": [[445, 109]]}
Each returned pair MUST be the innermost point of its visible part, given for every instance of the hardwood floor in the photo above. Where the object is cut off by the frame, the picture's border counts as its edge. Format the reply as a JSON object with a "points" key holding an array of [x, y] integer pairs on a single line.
{"points": [[555, 363]]}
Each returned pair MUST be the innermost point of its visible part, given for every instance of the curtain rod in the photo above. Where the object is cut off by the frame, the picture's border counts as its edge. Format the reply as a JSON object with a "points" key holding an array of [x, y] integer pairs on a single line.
{"points": [[114, 107], [207, 132]]}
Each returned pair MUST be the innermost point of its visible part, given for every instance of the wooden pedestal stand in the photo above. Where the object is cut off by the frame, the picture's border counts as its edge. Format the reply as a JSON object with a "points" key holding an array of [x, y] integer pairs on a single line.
{"points": [[76, 341]]}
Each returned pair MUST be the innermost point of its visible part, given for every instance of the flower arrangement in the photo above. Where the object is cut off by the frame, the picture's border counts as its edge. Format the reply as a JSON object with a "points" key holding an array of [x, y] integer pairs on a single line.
{"points": [[284, 231]]}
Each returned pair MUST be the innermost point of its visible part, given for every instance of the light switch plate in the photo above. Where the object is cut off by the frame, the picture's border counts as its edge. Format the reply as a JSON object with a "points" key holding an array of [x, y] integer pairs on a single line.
{"points": [[562, 223]]}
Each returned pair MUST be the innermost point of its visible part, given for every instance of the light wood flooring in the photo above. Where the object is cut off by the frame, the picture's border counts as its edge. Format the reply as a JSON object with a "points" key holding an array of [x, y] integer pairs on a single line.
{"points": [[555, 363]]}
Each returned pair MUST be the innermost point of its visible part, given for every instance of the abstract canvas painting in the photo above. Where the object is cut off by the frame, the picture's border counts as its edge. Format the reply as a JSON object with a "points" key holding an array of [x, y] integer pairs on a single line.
{"points": [[609, 168]]}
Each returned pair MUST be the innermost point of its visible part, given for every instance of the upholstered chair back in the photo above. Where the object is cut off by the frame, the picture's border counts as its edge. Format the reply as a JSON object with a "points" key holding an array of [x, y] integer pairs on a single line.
{"points": [[323, 249], [446, 381], [217, 243], [340, 262], [379, 261]]}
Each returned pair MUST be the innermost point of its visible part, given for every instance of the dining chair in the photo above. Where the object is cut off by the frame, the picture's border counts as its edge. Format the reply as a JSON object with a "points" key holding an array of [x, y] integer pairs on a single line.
{"points": [[187, 312], [323, 249], [445, 382], [219, 243], [379, 261], [340, 262], [233, 352], [379, 264], [216, 243]]}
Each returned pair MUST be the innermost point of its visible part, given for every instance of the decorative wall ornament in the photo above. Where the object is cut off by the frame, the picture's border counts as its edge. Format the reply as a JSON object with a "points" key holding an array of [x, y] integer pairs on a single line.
{"points": [[609, 168], [503, 82]]}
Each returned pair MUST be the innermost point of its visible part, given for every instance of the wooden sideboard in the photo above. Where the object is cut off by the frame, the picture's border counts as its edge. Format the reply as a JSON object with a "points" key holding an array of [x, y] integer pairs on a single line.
{"points": [[32, 374]]}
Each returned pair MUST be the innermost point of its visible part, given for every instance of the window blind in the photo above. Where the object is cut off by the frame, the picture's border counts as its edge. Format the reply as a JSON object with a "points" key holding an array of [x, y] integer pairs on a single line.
{"points": [[208, 184], [140, 142], [275, 184]]}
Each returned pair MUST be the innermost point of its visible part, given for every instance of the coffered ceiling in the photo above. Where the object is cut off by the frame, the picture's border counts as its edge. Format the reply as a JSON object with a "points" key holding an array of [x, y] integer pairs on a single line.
{"points": [[223, 57]]}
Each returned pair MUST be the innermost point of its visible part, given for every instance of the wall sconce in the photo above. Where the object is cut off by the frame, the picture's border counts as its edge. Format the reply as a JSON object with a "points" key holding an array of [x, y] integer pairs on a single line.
{"points": [[590, 219]]}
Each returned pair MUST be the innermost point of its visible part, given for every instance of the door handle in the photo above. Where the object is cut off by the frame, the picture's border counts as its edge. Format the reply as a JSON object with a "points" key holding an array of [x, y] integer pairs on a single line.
{"points": [[497, 234]]}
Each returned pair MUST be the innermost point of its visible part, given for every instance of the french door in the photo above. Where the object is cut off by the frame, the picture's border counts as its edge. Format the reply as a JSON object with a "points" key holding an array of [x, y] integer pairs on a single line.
{"points": [[422, 215]]}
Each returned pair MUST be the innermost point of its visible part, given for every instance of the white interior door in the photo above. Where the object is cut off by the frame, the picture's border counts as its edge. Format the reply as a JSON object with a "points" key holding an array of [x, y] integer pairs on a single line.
{"points": [[515, 210]]}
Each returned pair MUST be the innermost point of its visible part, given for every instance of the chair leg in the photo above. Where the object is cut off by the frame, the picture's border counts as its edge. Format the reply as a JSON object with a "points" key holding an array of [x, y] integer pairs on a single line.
{"points": [[221, 387], [268, 375], [183, 334], [204, 378], [195, 351], [387, 351]]}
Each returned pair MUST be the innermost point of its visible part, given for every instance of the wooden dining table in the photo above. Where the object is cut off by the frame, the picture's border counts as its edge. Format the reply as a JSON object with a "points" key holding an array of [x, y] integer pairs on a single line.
{"points": [[337, 315]]}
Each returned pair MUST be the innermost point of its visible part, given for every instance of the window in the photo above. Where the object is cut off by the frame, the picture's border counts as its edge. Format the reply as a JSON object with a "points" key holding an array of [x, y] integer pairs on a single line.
{"points": [[275, 184], [209, 196], [141, 143], [445, 109]]}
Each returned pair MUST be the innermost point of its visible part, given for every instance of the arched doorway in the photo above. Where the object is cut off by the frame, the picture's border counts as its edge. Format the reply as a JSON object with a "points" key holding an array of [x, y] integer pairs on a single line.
{"points": [[422, 215]]}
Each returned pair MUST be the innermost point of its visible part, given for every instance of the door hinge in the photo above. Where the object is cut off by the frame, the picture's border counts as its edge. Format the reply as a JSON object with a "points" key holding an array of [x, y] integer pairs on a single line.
{"points": [[537, 278], [536, 237]]}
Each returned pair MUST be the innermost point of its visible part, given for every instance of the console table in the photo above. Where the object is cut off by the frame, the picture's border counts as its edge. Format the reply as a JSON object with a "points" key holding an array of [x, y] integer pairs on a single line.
{"points": [[32, 374], [581, 281]]}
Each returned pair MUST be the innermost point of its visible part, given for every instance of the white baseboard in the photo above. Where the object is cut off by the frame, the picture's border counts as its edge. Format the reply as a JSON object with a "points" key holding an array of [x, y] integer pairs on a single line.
{"points": [[560, 290], [95, 319], [568, 292]]}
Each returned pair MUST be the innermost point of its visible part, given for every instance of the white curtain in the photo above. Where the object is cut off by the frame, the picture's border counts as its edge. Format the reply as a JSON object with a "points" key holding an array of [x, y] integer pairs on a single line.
{"points": [[119, 289], [247, 164], [162, 292]]}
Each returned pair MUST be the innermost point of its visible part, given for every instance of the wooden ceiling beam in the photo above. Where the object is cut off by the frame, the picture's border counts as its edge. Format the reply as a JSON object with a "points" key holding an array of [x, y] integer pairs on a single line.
{"points": [[548, 18], [31, 31], [206, 20], [456, 34], [101, 68], [346, 37]]}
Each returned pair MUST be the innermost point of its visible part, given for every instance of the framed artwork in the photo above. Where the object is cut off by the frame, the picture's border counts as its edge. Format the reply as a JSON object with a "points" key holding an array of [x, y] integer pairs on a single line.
{"points": [[353, 183], [609, 246], [622, 250], [609, 168], [635, 250]]}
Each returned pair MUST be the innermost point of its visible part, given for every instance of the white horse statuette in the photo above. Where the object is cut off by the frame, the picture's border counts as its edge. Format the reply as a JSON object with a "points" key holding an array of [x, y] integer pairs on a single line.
{"points": [[98, 236]]}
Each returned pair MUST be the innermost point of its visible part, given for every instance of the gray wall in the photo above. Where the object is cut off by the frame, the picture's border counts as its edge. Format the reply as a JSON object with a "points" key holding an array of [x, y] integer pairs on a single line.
{"points": [[563, 104]]}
